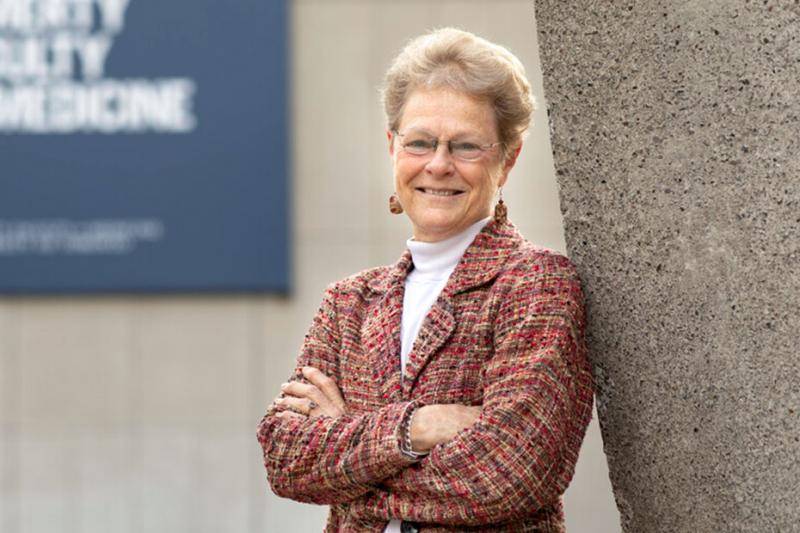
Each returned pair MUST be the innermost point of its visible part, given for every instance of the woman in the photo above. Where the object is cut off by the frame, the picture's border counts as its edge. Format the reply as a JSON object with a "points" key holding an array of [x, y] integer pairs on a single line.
{"points": [[449, 391]]}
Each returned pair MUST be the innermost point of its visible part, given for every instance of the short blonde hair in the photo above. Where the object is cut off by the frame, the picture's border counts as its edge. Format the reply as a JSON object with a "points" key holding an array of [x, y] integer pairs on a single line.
{"points": [[460, 60]]}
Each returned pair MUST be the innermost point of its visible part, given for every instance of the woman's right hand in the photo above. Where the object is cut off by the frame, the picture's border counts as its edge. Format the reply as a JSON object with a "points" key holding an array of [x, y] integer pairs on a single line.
{"points": [[438, 423], [321, 397]]}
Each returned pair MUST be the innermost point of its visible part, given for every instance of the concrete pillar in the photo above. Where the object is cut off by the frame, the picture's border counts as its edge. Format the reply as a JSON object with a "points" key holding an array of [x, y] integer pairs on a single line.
{"points": [[676, 136]]}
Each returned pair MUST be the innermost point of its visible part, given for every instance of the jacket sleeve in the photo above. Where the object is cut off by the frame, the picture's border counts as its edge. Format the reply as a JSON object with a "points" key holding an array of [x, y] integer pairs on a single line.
{"points": [[327, 460], [520, 454]]}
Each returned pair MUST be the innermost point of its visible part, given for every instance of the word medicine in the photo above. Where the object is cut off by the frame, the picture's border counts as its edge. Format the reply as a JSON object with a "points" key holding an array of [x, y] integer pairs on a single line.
{"points": [[52, 61]]}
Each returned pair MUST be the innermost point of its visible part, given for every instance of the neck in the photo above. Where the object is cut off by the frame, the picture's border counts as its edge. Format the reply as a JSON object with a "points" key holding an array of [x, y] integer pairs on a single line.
{"points": [[438, 259]]}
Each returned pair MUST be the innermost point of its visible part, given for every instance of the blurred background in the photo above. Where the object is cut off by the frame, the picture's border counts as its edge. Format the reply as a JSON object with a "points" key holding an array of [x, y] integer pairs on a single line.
{"points": [[134, 410]]}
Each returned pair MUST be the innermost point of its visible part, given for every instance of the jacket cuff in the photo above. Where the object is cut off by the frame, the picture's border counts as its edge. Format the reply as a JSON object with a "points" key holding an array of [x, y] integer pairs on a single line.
{"points": [[405, 435], [383, 444]]}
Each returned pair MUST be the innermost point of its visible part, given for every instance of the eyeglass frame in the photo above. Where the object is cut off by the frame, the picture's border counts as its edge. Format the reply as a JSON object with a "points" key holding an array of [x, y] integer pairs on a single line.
{"points": [[436, 142]]}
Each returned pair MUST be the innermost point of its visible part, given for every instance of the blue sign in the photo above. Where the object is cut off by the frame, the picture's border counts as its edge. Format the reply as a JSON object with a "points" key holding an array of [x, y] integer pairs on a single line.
{"points": [[143, 146]]}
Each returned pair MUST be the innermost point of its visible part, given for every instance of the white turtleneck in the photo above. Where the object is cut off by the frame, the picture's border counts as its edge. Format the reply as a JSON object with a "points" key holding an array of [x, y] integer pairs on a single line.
{"points": [[433, 264]]}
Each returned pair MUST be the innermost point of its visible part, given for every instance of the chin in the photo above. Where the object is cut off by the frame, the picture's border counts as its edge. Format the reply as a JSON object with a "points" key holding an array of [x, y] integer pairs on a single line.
{"points": [[437, 231]]}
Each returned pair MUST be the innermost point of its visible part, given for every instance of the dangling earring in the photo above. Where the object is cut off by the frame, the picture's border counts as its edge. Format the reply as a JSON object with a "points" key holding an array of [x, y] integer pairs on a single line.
{"points": [[394, 205], [500, 210]]}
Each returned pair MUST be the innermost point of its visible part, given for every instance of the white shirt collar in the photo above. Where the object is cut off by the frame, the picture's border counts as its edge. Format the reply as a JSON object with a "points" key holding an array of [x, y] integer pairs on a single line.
{"points": [[437, 260]]}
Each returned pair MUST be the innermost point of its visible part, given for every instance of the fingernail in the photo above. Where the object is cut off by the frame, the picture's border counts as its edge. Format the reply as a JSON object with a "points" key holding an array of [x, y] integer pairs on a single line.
{"points": [[284, 385]]}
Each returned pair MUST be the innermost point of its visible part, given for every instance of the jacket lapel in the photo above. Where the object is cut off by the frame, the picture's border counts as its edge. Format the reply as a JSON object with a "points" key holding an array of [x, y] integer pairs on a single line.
{"points": [[481, 263], [381, 330], [436, 329]]}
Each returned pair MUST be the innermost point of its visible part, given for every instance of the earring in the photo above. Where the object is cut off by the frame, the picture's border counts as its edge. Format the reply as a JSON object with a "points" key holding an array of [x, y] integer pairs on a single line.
{"points": [[500, 211], [394, 205]]}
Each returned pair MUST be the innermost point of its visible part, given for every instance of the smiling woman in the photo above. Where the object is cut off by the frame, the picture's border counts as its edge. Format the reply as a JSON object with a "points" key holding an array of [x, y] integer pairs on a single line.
{"points": [[449, 391], [444, 187]]}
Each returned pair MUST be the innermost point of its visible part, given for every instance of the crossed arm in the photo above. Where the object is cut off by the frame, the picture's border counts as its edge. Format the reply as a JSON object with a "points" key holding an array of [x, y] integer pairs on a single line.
{"points": [[326, 455], [507, 459], [430, 424]]}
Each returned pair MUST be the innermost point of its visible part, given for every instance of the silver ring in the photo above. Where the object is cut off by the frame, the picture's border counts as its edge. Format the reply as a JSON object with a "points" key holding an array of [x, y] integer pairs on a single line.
{"points": [[312, 405]]}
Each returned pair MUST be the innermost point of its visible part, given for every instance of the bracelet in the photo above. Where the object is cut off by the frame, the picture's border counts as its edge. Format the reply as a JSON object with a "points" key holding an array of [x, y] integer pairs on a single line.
{"points": [[405, 436]]}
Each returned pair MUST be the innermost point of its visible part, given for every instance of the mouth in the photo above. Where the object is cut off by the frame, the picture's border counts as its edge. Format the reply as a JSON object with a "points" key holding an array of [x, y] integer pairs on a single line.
{"points": [[440, 192]]}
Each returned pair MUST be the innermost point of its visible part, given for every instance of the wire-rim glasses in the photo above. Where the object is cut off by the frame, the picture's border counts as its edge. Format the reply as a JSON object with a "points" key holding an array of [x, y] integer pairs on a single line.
{"points": [[421, 144]]}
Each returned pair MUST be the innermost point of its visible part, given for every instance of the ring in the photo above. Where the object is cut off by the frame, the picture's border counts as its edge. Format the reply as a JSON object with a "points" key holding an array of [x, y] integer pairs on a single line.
{"points": [[312, 405]]}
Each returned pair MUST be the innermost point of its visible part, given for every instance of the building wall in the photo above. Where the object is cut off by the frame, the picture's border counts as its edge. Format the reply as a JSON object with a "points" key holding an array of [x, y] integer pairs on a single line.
{"points": [[138, 413]]}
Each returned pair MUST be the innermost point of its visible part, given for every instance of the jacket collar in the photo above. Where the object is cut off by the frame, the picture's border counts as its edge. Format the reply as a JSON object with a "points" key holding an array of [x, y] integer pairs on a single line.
{"points": [[481, 262]]}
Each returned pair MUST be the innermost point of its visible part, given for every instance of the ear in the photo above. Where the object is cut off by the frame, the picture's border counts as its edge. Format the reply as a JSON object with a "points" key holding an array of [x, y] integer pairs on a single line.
{"points": [[509, 163], [390, 139]]}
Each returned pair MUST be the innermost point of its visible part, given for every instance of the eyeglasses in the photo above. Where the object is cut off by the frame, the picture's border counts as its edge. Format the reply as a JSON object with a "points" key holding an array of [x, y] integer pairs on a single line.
{"points": [[422, 144]]}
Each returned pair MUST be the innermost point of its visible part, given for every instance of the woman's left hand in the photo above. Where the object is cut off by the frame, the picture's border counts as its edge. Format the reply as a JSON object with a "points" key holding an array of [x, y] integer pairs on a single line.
{"points": [[321, 398]]}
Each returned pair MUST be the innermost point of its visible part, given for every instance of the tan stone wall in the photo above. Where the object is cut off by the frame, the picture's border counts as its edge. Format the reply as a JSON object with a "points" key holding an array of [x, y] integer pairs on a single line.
{"points": [[677, 136], [138, 414]]}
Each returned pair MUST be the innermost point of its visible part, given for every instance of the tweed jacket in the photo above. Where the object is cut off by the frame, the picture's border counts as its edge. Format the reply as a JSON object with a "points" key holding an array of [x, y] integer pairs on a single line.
{"points": [[506, 333]]}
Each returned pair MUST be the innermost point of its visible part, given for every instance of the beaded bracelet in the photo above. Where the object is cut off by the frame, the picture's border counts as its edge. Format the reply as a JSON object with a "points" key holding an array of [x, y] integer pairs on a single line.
{"points": [[405, 436]]}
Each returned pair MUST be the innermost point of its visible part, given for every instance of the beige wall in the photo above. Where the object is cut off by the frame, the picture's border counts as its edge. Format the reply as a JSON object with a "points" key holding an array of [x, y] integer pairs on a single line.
{"points": [[138, 414]]}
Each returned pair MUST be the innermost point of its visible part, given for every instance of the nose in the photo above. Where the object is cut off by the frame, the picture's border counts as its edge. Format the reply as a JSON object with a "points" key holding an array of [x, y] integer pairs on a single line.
{"points": [[441, 163]]}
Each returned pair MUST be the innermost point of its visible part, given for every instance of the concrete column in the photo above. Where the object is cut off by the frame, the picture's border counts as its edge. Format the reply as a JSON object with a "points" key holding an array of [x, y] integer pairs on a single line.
{"points": [[676, 136]]}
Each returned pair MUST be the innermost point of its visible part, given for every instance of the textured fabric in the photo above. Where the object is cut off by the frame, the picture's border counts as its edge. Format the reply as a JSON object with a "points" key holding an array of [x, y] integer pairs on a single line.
{"points": [[506, 333], [433, 262]]}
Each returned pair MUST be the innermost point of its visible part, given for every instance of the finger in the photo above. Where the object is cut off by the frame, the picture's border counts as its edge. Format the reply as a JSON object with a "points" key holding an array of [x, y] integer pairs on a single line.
{"points": [[278, 404], [325, 384], [300, 396], [289, 414], [302, 390], [298, 405]]}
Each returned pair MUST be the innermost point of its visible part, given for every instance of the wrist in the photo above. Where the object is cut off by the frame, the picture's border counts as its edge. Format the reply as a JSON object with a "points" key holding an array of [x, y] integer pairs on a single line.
{"points": [[409, 436], [418, 430]]}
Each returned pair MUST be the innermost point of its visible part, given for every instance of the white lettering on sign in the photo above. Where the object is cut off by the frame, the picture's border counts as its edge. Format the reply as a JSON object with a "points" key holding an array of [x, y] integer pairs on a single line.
{"points": [[109, 106], [102, 236], [53, 55]]}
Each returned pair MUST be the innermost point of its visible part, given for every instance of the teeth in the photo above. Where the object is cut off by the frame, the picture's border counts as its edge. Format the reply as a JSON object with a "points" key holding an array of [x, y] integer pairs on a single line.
{"points": [[440, 193]]}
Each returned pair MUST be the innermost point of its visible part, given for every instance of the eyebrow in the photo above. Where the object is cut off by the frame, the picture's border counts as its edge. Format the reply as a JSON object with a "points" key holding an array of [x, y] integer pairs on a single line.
{"points": [[457, 136]]}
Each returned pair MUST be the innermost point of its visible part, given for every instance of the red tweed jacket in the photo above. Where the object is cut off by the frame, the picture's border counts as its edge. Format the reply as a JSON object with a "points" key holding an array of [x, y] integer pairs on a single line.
{"points": [[507, 334]]}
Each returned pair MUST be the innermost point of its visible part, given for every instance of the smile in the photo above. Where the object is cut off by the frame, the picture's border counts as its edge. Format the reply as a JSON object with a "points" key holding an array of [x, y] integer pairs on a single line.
{"points": [[440, 192]]}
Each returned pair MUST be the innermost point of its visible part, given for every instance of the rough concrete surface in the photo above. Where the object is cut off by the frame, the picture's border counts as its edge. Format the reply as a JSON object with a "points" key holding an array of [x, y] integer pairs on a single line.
{"points": [[676, 135]]}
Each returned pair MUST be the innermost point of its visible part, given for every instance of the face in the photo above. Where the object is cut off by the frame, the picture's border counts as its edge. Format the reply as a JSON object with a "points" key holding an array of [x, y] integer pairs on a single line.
{"points": [[443, 195]]}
